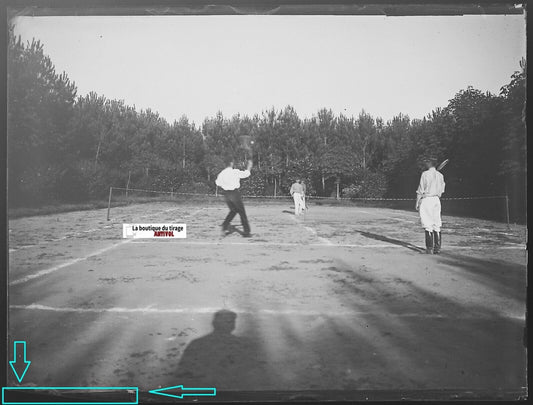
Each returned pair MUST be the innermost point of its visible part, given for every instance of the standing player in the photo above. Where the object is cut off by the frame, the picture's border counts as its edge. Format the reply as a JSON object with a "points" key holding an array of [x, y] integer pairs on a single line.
{"points": [[297, 194], [428, 205], [304, 188], [229, 180]]}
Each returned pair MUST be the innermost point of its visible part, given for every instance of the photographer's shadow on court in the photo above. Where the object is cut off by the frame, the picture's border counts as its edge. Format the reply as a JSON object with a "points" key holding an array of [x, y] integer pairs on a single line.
{"points": [[223, 360]]}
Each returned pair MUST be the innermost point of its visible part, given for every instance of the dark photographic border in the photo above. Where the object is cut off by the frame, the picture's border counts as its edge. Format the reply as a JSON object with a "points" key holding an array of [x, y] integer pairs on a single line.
{"points": [[11, 8]]}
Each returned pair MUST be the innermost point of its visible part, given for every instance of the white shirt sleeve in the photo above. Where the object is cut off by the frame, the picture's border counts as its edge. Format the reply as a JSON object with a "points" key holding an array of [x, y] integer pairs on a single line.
{"points": [[421, 185], [442, 184], [243, 173]]}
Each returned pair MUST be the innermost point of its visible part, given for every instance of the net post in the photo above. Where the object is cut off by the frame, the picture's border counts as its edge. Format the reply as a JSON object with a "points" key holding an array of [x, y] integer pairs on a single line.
{"points": [[128, 183], [109, 202], [172, 192], [507, 210]]}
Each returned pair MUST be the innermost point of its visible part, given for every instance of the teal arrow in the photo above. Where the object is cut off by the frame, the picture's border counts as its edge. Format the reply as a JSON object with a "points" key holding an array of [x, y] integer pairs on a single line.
{"points": [[19, 364], [179, 392]]}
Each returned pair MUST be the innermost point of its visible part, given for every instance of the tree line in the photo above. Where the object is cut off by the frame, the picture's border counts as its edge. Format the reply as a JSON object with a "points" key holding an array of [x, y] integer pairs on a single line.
{"points": [[68, 147]]}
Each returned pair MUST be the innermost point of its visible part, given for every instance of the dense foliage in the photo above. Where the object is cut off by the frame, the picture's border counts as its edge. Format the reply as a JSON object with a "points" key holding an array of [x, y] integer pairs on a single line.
{"points": [[66, 147]]}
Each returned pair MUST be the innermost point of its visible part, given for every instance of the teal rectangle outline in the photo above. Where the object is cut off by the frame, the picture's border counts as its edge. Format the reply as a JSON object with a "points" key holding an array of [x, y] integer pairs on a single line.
{"points": [[136, 389]]}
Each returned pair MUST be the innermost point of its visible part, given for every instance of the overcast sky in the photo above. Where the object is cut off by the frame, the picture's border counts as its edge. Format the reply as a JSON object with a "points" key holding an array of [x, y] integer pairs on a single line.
{"points": [[197, 65]]}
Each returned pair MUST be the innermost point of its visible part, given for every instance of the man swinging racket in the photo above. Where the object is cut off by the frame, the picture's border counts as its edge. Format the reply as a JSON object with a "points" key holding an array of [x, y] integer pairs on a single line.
{"points": [[229, 180], [428, 205]]}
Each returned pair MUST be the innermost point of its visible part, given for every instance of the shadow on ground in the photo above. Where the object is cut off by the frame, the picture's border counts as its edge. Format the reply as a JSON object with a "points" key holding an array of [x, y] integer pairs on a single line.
{"points": [[390, 240], [233, 229], [503, 277], [221, 359], [398, 334]]}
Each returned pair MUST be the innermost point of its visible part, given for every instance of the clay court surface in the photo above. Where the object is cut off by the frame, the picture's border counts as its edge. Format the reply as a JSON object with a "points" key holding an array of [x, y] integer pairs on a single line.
{"points": [[340, 299]]}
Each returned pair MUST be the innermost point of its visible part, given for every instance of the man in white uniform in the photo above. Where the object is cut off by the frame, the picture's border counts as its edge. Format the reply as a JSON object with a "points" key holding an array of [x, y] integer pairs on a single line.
{"points": [[297, 192], [304, 188], [229, 180], [428, 205]]}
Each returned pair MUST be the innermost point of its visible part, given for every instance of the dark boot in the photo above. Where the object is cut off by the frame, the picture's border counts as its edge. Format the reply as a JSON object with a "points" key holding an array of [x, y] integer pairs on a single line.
{"points": [[225, 230], [429, 242], [437, 241]]}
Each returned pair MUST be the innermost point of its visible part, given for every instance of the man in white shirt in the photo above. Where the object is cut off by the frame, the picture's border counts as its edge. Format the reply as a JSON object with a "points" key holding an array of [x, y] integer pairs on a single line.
{"points": [[297, 194], [229, 180], [428, 205], [304, 188]]}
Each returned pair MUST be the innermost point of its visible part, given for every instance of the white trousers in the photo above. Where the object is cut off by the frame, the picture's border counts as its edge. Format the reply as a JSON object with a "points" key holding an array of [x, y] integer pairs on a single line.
{"points": [[298, 203], [430, 214]]}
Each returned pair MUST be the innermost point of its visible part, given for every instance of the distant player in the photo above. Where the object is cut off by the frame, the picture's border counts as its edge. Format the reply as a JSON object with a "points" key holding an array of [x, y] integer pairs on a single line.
{"points": [[428, 205], [229, 180], [297, 192], [303, 196]]}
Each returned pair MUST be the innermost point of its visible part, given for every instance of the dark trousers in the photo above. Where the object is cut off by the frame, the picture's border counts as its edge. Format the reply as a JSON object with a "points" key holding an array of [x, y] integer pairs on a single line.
{"points": [[234, 201]]}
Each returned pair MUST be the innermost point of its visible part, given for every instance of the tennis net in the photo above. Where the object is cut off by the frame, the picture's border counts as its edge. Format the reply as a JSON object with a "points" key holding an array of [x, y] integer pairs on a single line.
{"points": [[487, 207]]}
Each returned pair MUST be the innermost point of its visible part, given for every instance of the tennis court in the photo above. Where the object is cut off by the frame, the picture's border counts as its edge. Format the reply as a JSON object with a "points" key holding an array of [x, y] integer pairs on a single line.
{"points": [[340, 299]]}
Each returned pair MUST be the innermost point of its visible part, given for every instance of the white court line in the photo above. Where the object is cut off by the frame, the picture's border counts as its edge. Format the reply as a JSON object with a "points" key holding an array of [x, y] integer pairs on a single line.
{"points": [[77, 260], [173, 209], [21, 247], [66, 264], [252, 243], [310, 230], [211, 310], [325, 241], [321, 239], [313, 231], [73, 235]]}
